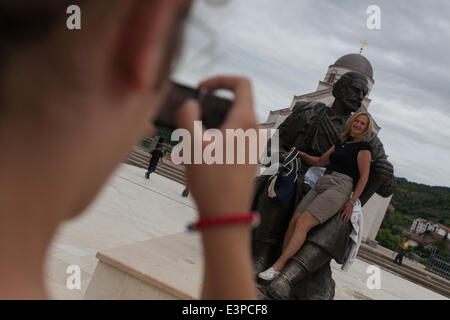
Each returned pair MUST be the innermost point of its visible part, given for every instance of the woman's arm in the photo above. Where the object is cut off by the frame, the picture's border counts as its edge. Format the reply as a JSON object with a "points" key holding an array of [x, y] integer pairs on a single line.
{"points": [[321, 161], [364, 158]]}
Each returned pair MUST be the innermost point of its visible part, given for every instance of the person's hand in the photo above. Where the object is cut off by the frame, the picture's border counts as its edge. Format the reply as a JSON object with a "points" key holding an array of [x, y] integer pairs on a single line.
{"points": [[221, 189], [299, 153], [347, 210]]}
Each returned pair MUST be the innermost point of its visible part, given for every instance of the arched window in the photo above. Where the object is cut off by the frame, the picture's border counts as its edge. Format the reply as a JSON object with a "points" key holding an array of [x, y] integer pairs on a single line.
{"points": [[332, 76]]}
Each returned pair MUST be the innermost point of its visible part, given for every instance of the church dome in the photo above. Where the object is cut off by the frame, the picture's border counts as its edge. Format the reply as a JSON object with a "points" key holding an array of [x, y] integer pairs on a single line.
{"points": [[355, 62]]}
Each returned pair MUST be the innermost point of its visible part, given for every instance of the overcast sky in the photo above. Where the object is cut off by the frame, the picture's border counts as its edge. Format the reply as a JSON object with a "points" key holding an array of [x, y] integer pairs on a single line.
{"points": [[285, 48]]}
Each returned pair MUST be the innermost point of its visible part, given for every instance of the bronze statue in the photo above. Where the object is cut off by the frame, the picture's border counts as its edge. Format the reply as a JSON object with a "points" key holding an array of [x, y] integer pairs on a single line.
{"points": [[314, 128]]}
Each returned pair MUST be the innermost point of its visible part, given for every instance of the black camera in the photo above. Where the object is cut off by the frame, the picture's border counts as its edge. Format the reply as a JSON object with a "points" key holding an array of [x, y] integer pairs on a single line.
{"points": [[214, 109]]}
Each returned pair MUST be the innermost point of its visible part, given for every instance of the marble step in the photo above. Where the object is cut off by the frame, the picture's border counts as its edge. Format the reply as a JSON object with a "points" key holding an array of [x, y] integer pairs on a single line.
{"points": [[413, 275], [139, 154], [163, 169], [433, 277], [162, 268]]}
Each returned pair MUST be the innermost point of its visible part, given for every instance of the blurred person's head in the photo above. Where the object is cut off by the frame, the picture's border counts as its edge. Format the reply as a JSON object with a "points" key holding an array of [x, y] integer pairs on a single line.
{"points": [[80, 98]]}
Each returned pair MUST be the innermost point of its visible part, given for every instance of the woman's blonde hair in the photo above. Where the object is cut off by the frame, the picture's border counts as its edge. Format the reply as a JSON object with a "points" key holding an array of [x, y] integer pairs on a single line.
{"points": [[348, 127]]}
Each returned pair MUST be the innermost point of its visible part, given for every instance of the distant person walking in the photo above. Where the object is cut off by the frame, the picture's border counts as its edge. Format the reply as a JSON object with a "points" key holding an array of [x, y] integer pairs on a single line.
{"points": [[185, 192], [154, 156], [399, 258]]}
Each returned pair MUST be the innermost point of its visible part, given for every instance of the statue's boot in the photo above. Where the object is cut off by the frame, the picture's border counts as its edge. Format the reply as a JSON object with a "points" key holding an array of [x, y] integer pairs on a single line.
{"points": [[307, 260], [265, 253]]}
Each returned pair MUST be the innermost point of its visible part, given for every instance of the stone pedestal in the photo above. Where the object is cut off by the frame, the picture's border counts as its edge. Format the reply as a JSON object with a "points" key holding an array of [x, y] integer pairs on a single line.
{"points": [[163, 268], [373, 214]]}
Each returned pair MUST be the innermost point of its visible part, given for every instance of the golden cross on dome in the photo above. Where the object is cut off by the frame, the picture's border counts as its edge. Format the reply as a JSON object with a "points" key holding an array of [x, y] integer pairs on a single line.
{"points": [[363, 43]]}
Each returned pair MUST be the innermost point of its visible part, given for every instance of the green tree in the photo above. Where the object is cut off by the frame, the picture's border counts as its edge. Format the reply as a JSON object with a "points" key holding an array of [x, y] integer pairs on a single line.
{"points": [[441, 245], [386, 239]]}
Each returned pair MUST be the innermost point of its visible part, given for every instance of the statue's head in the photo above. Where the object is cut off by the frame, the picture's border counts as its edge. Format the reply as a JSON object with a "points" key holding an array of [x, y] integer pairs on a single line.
{"points": [[350, 90]]}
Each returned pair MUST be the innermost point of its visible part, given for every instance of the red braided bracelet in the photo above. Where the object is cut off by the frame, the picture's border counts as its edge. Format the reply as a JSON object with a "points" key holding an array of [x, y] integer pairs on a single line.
{"points": [[203, 223]]}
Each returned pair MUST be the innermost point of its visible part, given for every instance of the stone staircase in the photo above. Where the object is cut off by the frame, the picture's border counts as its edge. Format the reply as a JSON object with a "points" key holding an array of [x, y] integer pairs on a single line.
{"points": [[414, 274], [139, 158]]}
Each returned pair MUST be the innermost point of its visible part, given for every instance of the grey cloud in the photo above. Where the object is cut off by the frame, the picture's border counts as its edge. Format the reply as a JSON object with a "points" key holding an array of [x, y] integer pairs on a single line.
{"points": [[286, 47]]}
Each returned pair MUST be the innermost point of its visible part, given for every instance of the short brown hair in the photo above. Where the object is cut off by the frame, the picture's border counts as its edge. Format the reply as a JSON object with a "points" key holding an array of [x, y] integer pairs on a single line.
{"points": [[23, 21]]}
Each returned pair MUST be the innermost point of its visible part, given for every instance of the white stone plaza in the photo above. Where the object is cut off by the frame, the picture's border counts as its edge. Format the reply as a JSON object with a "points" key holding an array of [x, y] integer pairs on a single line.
{"points": [[131, 211]]}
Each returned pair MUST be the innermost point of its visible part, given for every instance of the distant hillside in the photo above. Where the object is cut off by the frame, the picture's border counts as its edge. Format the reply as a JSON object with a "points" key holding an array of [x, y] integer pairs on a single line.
{"points": [[402, 180], [447, 189], [412, 200]]}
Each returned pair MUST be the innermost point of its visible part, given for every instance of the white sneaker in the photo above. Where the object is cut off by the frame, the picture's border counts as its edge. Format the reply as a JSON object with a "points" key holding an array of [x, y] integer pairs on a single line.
{"points": [[269, 274]]}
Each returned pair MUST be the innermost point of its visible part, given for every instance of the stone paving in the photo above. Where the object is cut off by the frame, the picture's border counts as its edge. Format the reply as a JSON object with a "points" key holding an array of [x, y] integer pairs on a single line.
{"points": [[132, 209]]}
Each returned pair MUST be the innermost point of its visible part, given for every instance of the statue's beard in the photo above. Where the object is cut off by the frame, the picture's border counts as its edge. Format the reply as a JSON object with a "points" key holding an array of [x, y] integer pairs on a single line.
{"points": [[352, 105]]}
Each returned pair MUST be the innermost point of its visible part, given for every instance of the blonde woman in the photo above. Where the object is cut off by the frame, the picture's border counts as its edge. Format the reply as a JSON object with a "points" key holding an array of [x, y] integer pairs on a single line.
{"points": [[348, 166]]}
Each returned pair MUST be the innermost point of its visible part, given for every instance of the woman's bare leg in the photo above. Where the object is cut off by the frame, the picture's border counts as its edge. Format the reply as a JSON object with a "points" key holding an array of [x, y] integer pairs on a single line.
{"points": [[304, 223], [290, 230]]}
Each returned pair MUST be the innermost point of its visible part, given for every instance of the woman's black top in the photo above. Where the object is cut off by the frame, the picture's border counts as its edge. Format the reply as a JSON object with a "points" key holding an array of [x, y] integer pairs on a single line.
{"points": [[344, 158]]}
